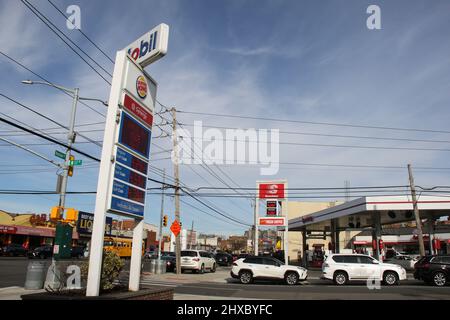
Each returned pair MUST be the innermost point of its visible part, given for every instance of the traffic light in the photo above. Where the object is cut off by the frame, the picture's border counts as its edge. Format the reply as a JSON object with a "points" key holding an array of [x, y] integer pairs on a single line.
{"points": [[71, 215], [56, 213], [70, 170], [165, 221]]}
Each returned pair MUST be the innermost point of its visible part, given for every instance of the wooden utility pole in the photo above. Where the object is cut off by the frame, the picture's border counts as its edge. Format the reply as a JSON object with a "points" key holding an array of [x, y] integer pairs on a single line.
{"points": [[416, 213], [192, 234], [161, 216], [175, 160]]}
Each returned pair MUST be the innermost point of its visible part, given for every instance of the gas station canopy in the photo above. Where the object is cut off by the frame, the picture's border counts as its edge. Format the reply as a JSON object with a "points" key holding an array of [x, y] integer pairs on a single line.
{"points": [[359, 213]]}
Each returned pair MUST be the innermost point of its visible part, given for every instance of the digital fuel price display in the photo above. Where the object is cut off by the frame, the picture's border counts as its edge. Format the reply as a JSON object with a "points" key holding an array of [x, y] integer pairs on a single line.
{"points": [[134, 135]]}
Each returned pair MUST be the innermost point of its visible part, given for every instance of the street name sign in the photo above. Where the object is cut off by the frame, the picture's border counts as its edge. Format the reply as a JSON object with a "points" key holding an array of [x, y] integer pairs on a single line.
{"points": [[60, 154]]}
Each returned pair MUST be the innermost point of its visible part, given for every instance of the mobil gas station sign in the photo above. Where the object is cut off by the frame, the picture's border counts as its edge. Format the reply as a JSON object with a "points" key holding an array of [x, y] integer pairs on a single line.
{"points": [[122, 181], [131, 149]]}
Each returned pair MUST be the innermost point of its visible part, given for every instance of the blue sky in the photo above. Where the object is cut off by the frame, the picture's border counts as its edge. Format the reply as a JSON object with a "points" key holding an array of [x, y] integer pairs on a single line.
{"points": [[304, 60]]}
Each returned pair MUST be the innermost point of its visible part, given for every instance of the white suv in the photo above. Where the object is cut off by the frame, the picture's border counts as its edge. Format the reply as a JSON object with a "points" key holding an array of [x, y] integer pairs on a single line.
{"points": [[256, 267], [197, 261], [342, 268]]}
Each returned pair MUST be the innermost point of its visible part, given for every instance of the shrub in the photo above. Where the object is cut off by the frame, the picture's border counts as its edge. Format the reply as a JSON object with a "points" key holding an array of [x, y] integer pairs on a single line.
{"points": [[112, 266]]}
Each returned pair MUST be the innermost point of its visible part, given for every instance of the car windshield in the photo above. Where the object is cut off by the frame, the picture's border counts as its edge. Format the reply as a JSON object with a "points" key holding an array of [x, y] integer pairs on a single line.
{"points": [[188, 253]]}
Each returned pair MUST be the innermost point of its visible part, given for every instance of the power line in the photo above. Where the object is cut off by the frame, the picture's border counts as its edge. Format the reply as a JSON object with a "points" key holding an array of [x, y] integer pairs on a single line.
{"points": [[47, 118], [335, 135], [313, 122], [95, 45], [38, 14], [49, 139], [44, 79]]}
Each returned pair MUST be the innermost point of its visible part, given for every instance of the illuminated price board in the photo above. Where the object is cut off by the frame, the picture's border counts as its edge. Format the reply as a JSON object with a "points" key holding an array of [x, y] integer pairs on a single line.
{"points": [[131, 161], [125, 191], [134, 135], [130, 176]]}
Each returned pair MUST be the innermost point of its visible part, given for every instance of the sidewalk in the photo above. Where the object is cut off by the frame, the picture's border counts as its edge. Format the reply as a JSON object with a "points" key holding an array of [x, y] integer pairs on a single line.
{"points": [[14, 293]]}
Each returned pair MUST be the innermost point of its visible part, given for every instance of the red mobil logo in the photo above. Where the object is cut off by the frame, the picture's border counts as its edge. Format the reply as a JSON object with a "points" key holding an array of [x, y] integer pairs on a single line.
{"points": [[141, 87], [271, 190]]}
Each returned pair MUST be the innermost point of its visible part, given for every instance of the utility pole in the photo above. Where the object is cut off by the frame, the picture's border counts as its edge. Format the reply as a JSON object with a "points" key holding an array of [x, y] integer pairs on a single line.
{"points": [[161, 218], [177, 187], [416, 212], [192, 233], [71, 141]]}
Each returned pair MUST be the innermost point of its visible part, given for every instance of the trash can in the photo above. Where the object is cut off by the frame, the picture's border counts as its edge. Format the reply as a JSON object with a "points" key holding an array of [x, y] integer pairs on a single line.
{"points": [[36, 272], [160, 267], [153, 265]]}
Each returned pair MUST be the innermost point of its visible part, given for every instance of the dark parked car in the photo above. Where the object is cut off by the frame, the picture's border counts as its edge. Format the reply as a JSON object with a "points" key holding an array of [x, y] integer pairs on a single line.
{"points": [[224, 259], [77, 252], [14, 249], [42, 252], [171, 262], [433, 269], [242, 256]]}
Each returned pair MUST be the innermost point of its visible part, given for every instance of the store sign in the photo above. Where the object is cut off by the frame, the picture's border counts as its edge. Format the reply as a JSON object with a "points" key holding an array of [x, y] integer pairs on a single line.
{"points": [[151, 46], [271, 190], [8, 229], [278, 221], [86, 221]]}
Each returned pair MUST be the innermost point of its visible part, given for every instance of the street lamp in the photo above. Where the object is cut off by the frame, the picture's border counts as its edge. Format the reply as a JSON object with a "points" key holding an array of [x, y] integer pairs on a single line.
{"points": [[71, 136]]}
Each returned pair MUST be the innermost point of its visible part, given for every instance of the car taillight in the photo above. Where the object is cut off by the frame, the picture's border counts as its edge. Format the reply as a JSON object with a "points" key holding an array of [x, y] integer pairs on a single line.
{"points": [[196, 259]]}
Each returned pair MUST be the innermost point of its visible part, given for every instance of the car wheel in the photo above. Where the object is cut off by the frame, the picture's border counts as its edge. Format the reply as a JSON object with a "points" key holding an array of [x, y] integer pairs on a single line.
{"points": [[213, 268], [439, 279], [291, 278], [202, 269], [245, 277], [340, 278], [390, 278]]}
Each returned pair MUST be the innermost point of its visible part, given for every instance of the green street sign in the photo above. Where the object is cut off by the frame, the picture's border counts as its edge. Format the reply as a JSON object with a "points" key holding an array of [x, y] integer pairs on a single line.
{"points": [[75, 163], [60, 154]]}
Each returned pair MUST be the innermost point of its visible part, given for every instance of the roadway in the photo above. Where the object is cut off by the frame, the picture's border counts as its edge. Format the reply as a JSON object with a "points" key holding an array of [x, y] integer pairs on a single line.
{"points": [[219, 285]]}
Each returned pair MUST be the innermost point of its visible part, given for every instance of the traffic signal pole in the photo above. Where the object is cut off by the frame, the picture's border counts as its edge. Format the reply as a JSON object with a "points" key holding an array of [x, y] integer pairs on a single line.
{"points": [[161, 218], [71, 141]]}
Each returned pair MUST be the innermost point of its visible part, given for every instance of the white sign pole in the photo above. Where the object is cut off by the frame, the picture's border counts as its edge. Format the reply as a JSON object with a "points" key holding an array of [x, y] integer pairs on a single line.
{"points": [[286, 230], [256, 235], [103, 187], [136, 256]]}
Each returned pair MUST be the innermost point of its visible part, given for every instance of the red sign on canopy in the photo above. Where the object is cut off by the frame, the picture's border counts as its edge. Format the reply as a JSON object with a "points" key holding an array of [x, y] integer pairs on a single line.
{"points": [[271, 190], [175, 228]]}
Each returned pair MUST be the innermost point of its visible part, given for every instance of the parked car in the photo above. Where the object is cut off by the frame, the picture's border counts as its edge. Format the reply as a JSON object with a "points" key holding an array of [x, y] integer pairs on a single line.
{"points": [[342, 268], [77, 252], [167, 253], [198, 261], [260, 267], [14, 249], [433, 269], [242, 256], [406, 262], [224, 259], [150, 254], [42, 252], [235, 257], [171, 262]]}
